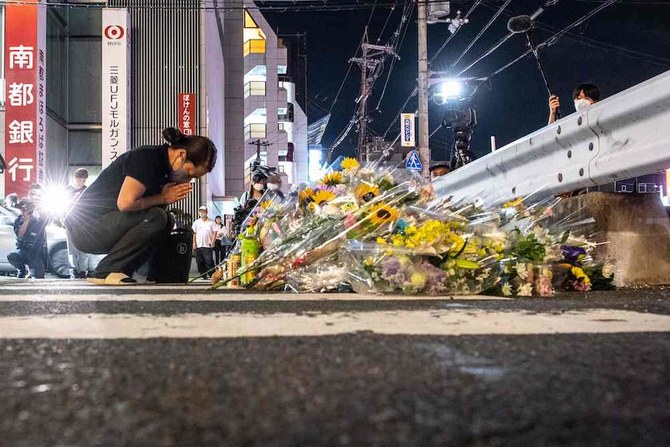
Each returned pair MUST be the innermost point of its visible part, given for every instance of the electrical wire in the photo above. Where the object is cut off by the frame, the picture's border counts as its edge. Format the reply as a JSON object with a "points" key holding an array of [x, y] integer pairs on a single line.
{"points": [[553, 39], [481, 32], [406, 19], [595, 43], [451, 36]]}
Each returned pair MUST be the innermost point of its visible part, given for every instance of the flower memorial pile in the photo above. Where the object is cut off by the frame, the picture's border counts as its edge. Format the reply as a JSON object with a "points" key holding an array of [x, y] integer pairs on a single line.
{"points": [[376, 230]]}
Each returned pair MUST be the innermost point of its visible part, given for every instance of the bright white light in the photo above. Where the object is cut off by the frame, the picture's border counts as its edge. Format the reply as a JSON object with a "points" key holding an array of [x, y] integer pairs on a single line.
{"points": [[314, 169], [452, 89], [55, 201]]}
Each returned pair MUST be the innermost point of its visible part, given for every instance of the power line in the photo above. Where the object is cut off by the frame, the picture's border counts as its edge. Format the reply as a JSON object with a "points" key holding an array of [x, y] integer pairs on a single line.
{"points": [[481, 32], [553, 39], [451, 36], [595, 43]]}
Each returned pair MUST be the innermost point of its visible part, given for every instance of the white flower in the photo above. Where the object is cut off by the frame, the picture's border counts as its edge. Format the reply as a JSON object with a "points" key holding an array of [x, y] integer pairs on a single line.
{"points": [[506, 289], [608, 270], [525, 290], [522, 270]]}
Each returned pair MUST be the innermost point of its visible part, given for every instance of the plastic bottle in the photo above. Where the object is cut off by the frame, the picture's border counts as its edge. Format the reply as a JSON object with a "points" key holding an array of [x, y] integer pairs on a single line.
{"points": [[250, 249]]}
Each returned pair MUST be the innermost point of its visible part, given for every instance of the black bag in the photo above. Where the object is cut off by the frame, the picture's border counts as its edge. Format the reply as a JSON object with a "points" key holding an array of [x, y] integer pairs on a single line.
{"points": [[174, 257]]}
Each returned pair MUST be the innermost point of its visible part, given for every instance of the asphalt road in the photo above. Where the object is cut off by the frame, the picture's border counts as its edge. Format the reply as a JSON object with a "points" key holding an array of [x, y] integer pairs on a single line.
{"points": [[150, 366]]}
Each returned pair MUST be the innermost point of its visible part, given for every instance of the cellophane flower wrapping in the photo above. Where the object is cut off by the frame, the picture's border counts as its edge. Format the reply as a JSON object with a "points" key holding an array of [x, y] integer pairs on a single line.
{"points": [[380, 229]]}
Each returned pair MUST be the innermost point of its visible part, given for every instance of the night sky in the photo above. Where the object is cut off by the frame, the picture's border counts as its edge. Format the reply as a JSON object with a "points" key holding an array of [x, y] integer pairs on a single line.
{"points": [[608, 50]]}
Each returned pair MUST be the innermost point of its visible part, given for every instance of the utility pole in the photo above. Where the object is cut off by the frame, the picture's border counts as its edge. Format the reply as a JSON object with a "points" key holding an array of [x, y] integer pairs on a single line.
{"points": [[371, 57], [258, 144], [424, 148]]}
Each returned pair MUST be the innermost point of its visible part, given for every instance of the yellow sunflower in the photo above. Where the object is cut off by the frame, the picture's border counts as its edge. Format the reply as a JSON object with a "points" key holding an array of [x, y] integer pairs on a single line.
{"points": [[365, 192], [332, 179], [350, 164], [306, 196], [382, 214], [266, 204], [324, 196]]}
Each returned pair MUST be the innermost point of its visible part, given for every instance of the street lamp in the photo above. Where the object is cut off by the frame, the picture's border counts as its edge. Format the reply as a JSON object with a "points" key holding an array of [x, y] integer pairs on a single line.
{"points": [[451, 89]]}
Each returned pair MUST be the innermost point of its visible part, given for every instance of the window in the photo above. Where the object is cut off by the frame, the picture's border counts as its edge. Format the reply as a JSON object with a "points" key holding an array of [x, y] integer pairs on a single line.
{"points": [[254, 130], [254, 88]]}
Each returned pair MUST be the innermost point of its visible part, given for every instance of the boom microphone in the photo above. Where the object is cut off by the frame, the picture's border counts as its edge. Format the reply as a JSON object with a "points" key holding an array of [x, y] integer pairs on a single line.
{"points": [[519, 24]]}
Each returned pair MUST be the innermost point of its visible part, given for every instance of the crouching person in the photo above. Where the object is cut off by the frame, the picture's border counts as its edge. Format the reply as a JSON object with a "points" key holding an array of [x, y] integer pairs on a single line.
{"points": [[30, 238], [122, 214]]}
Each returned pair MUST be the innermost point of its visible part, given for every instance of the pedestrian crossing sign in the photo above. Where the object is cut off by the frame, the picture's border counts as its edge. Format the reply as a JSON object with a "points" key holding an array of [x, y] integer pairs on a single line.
{"points": [[413, 162]]}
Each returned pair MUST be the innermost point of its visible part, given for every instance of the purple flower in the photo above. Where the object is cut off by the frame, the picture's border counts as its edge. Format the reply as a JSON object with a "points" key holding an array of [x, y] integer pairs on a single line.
{"points": [[434, 277], [391, 266], [573, 255]]}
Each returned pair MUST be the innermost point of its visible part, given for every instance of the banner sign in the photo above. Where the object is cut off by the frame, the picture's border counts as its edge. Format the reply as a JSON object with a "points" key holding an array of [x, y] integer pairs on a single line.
{"points": [[407, 130], [115, 84], [186, 118], [25, 107]]}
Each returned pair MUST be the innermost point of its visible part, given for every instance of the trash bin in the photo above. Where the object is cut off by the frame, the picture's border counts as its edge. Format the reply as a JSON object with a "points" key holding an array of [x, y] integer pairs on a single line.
{"points": [[174, 257]]}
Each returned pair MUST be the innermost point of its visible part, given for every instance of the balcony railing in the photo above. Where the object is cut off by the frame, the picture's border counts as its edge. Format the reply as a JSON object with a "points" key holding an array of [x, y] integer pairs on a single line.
{"points": [[254, 46], [255, 130], [254, 88]]}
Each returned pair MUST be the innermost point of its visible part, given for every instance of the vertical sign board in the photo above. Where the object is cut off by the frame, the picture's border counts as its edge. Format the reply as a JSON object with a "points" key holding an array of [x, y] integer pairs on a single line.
{"points": [[25, 107], [186, 118], [115, 84], [407, 130]]}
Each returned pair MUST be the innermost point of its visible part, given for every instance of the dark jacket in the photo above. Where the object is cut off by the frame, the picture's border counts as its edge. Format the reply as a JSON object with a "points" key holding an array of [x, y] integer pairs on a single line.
{"points": [[34, 237]]}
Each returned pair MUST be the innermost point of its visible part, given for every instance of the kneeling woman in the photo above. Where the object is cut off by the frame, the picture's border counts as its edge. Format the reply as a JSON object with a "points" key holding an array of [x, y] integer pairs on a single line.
{"points": [[123, 212]]}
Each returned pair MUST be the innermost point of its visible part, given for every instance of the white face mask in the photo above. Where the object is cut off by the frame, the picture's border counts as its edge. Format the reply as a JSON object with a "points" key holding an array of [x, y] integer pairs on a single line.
{"points": [[273, 186], [581, 104], [259, 186]]}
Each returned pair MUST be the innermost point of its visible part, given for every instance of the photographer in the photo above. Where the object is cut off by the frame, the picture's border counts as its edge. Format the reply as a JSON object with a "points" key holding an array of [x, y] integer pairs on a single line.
{"points": [[30, 238]]}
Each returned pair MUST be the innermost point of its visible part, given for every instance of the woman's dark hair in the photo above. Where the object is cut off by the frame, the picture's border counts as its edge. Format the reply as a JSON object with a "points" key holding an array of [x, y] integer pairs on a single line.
{"points": [[199, 150], [590, 91]]}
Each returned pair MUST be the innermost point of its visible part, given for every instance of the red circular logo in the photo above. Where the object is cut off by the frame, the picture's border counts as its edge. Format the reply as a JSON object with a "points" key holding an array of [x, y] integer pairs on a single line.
{"points": [[114, 32]]}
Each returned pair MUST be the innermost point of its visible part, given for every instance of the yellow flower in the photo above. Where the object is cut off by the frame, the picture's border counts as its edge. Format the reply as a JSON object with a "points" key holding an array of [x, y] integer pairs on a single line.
{"points": [[306, 196], [382, 214], [333, 179], [324, 196], [398, 240], [266, 204], [365, 192], [381, 241], [513, 203], [579, 274], [350, 164]]}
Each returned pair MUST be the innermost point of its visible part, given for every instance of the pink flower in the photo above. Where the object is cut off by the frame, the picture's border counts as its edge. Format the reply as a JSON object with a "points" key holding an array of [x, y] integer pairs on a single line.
{"points": [[543, 286], [349, 221]]}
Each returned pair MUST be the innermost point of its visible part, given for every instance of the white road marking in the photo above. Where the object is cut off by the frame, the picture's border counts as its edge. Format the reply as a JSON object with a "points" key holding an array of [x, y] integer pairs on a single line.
{"points": [[225, 325], [198, 295]]}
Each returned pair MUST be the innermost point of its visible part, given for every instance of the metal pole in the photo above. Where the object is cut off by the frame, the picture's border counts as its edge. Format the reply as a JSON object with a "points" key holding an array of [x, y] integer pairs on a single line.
{"points": [[362, 112], [424, 149]]}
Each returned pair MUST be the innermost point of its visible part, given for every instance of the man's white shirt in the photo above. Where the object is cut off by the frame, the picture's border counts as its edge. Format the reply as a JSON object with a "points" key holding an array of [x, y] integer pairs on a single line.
{"points": [[203, 233]]}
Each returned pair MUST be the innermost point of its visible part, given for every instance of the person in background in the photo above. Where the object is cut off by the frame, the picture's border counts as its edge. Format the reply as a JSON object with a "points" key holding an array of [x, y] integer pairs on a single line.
{"points": [[204, 236], [218, 242], [30, 238], [274, 188], [82, 263], [11, 200], [256, 190], [583, 96], [123, 212], [75, 190], [438, 170]]}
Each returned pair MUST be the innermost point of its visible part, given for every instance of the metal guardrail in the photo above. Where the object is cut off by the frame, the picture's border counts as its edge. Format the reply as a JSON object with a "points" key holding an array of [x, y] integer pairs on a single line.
{"points": [[624, 136]]}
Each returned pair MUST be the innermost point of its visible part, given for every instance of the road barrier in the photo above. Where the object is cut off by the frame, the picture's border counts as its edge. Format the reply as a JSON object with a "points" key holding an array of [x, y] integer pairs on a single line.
{"points": [[624, 136]]}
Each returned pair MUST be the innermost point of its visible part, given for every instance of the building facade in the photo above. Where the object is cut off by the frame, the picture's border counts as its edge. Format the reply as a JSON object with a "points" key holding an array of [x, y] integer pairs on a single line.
{"points": [[228, 60]]}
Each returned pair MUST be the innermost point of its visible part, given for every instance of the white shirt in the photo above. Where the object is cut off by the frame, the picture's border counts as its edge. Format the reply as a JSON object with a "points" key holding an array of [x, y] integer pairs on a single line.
{"points": [[203, 233]]}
